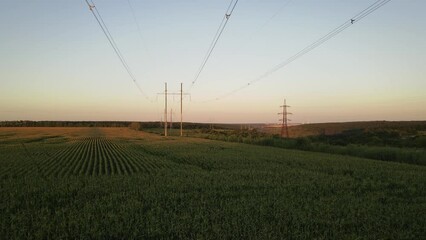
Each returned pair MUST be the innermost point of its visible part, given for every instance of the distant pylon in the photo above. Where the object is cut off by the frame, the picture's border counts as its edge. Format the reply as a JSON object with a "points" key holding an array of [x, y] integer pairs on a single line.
{"points": [[165, 109], [165, 93], [285, 119]]}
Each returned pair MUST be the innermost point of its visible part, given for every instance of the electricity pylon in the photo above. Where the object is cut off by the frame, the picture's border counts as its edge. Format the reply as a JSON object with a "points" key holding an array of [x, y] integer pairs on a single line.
{"points": [[181, 93], [285, 119]]}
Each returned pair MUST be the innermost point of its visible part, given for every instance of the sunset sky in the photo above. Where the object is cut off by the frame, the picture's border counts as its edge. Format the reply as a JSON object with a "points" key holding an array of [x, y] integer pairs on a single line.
{"points": [[56, 63]]}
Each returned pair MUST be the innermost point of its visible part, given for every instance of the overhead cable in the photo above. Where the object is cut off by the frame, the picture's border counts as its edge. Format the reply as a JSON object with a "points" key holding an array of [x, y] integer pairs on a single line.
{"points": [[283, 6], [117, 51], [376, 5], [219, 32], [132, 10]]}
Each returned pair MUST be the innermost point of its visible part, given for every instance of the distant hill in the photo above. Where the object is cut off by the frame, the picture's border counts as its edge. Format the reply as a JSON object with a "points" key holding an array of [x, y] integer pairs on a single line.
{"points": [[313, 129], [295, 130]]}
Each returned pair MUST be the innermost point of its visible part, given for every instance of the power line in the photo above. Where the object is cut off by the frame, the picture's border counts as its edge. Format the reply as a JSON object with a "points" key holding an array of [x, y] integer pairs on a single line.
{"points": [[376, 5], [109, 36], [275, 14], [138, 27], [117, 51], [219, 32]]}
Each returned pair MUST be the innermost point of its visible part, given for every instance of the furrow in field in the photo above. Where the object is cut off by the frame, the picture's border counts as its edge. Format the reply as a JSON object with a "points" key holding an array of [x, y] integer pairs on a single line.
{"points": [[72, 160], [78, 168], [101, 158], [159, 162], [133, 158], [112, 163], [96, 155], [118, 160], [75, 161], [96, 158], [57, 154], [107, 165], [128, 161], [79, 161], [108, 169], [67, 161], [100, 170], [130, 156], [149, 159], [134, 161], [90, 161], [82, 167], [142, 158], [57, 160], [140, 162], [123, 158]]}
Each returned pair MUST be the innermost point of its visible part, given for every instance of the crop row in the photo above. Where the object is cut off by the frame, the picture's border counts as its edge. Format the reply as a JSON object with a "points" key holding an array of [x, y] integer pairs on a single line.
{"points": [[101, 156], [90, 156]]}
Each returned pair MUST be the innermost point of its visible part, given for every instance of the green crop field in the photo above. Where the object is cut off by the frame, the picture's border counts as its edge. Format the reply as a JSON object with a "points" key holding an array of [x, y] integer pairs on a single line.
{"points": [[117, 183]]}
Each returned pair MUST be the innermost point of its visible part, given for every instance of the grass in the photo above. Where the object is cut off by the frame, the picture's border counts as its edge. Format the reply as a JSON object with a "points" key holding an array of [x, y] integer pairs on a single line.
{"points": [[197, 188], [411, 155]]}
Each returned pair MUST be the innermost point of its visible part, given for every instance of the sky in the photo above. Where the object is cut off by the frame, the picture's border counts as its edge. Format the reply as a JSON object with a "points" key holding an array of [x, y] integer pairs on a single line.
{"points": [[56, 63]]}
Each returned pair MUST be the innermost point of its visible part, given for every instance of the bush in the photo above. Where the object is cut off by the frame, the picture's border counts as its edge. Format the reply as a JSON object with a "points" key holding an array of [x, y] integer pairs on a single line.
{"points": [[303, 143], [136, 126], [384, 153], [232, 138], [265, 142]]}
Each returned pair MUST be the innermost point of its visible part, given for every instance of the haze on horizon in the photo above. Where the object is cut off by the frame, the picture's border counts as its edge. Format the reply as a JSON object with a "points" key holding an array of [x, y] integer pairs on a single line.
{"points": [[56, 64]]}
